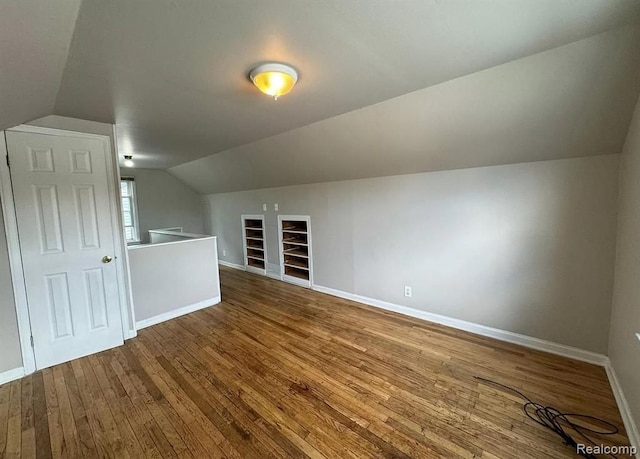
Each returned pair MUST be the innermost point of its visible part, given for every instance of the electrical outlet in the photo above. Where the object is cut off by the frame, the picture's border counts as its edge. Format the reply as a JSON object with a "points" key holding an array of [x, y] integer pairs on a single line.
{"points": [[407, 291], [275, 207], [264, 207], [224, 253]]}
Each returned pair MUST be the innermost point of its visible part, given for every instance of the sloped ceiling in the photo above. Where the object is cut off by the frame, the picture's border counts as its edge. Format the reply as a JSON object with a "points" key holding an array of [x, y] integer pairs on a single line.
{"points": [[34, 42], [575, 100], [386, 86], [172, 74]]}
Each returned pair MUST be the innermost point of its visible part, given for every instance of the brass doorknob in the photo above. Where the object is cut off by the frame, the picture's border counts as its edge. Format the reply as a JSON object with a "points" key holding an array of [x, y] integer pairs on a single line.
{"points": [[107, 259]]}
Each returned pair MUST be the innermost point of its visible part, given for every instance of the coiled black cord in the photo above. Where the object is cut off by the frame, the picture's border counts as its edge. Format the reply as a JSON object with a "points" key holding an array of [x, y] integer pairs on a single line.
{"points": [[557, 421]]}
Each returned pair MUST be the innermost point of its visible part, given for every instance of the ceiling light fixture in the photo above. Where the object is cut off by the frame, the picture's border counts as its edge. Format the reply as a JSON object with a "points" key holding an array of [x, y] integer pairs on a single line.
{"points": [[128, 161], [274, 79]]}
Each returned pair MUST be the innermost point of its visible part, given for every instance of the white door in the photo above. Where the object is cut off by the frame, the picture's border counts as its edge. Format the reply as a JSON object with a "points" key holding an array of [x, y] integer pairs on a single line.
{"points": [[61, 195]]}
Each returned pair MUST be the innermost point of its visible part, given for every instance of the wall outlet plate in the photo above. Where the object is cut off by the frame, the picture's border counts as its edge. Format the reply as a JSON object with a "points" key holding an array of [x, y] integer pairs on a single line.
{"points": [[224, 253], [264, 207], [638, 336], [408, 291], [275, 207]]}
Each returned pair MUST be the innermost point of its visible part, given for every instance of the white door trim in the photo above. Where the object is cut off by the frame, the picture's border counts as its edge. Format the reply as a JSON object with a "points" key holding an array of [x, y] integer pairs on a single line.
{"points": [[124, 274], [15, 261], [13, 242]]}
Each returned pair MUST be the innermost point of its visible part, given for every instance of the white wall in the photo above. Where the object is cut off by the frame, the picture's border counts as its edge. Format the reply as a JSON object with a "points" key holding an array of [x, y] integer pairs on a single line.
{"points": [[10, 354], [624, 346], [527, 248], [165, 202], [169, 277]]}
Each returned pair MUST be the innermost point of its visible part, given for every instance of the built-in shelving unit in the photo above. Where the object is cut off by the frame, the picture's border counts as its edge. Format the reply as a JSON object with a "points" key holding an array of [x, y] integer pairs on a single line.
{"points": [[295, 249], [255, 249]]}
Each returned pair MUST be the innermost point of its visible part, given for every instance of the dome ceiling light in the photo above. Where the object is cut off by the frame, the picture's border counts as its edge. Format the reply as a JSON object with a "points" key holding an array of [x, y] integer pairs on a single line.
{"points": [[274, 79]]}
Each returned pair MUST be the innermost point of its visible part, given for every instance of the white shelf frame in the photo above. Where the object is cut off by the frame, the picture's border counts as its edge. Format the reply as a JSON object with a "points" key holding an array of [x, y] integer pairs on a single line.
{"points": [[292, 279], [247, 266]]}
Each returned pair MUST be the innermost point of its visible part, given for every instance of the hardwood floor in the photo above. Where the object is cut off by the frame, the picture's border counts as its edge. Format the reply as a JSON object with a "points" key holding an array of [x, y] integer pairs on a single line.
{"points": [[280, 371]]}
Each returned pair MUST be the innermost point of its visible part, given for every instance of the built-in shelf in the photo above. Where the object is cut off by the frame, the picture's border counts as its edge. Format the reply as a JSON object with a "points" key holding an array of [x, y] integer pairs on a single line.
{"points": [[288, 265], [253, 264], [295, 238], [296, 262], [299, 226], [295, 249], [292, 242], [296, 253], [255, 254], [296, 273]]}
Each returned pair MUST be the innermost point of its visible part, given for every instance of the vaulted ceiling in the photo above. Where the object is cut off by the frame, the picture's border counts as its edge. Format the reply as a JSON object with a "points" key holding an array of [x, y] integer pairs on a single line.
{"points": [[386, 86], [34, 44]]}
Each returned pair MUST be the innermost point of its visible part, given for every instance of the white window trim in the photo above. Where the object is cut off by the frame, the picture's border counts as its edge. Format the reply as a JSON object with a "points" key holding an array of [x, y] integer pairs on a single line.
{"points": [[134, 203]]}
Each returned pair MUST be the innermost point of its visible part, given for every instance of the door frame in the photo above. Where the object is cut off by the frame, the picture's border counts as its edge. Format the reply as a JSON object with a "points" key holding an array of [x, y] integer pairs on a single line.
{"points": [[13, 241]]}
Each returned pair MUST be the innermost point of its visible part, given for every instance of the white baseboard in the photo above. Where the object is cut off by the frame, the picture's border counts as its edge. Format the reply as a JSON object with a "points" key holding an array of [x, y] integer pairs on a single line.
{"points": [[276, 276], [228, 264], [177, 312], [502, 335], [130, 334], [11, 375], [623, 406]]}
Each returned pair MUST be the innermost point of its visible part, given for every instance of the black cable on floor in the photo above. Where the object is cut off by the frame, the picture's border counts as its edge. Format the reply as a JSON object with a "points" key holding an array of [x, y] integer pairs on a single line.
{"points": [[557, 421]]}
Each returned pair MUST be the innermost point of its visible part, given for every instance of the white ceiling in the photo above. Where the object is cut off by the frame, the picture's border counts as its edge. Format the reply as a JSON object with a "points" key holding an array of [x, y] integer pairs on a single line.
{"points": [[172, 74], [574, 100], [34, 43]]}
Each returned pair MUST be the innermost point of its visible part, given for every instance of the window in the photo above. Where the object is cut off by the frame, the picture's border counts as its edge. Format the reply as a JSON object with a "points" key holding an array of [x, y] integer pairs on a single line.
{"points": [[129, 209]]}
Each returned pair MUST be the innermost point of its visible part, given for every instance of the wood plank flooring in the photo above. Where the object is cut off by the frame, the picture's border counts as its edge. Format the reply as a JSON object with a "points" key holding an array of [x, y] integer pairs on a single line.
{"points": [[280, 371]]}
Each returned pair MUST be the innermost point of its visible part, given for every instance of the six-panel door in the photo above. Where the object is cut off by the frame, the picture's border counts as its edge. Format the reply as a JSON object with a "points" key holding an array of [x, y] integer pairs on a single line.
{"points": [[63, 211]]}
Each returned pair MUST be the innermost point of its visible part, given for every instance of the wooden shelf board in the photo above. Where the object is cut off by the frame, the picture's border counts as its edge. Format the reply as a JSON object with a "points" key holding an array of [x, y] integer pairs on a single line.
{"points": [[255, 238], [294, 230], [255, 258], [293, 254], [297, 275], [301, 262], [295, 243], [297, 267]]}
